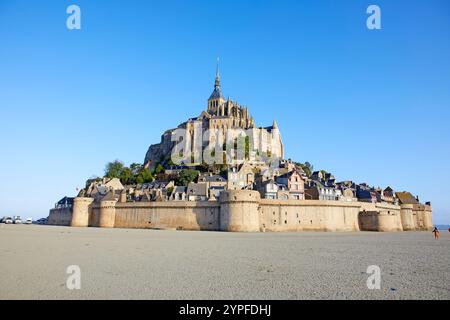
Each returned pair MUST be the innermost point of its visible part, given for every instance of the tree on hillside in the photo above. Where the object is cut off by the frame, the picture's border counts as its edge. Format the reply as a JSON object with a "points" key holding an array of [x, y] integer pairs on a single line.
{"points": [[247, 147], [144, 176], [127, 177], [114, 169], [187, 176], [310, 168], [306, 167], [159, 168]]}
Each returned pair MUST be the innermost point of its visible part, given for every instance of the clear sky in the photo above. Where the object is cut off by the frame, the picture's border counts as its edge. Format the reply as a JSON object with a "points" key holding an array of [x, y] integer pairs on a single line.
{"points": [[367, 105]]}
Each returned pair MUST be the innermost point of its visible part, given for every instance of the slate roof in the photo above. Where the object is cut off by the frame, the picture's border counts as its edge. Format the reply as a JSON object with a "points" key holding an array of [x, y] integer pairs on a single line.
{"points": [[197, 189], [217, 93], [155, 185], [214, 178], [109, 197], [406, 198], [289, 174], [179, 189], [66, 201], [364, 194]]}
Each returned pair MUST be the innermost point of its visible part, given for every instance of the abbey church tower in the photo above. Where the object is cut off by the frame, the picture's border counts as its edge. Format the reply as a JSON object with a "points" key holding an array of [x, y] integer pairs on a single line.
{"points": [[231, 114], [216, 101]]}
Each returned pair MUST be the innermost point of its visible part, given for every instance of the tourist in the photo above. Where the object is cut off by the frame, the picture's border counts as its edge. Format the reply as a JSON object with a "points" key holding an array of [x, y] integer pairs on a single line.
{"points": [[436, 233]]}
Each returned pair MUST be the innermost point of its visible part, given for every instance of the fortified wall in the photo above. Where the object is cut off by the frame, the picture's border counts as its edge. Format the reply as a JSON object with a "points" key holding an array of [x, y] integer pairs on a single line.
{"points": [[245, 211]]}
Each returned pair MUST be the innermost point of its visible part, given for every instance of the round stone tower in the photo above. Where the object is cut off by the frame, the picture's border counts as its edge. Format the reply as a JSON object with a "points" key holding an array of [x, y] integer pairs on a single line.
{"points": [[239, 211], [80, 212], [407, 217], [107, 213], [428, 217]]}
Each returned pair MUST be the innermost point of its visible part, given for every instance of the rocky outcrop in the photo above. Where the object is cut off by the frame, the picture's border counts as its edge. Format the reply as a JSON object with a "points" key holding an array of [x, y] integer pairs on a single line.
{"points": [[157, 153]]}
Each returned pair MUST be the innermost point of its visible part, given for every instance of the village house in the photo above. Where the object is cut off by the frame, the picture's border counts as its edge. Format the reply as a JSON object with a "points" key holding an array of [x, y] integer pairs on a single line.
{"points": [[320, 176], [365, 193], [348, 190], [272, 190], [241, 177], [316, 190], [97, 188], [388, 195], [64, 203], [214, 192], [175, 170], [156, 190], [295, 184], [322, 186], [179, 193], [215, 184], [197, 191], [347, 195], [213, 180], [406, 198]]}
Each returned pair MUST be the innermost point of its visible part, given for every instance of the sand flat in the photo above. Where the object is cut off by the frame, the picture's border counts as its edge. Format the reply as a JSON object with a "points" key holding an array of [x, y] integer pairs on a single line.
{"points": [[155, 264]]}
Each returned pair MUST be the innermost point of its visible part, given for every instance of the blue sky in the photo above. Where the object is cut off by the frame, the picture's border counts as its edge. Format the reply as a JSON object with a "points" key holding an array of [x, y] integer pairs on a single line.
{"points": [[371, 106]]}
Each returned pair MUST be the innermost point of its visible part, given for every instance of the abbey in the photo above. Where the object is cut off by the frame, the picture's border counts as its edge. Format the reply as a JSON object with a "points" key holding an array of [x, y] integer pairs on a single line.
{"points": [[223, 122]]}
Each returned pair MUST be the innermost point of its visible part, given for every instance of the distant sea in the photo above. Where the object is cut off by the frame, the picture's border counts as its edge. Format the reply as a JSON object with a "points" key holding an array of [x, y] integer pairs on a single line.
{"points": [[443, 226]]}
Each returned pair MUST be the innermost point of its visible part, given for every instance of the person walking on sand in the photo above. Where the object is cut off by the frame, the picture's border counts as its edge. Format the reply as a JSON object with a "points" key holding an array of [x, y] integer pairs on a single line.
{"points": [[436, 233]]}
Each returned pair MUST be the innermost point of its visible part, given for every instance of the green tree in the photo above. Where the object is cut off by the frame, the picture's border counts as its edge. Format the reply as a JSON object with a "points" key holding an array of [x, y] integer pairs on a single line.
{"points": [[187, 176], [127, 176], [144, 176], [170, 162], [204, 167], [247, 147], [306, 167], [159, 168], [169, 191], [114, 169]]}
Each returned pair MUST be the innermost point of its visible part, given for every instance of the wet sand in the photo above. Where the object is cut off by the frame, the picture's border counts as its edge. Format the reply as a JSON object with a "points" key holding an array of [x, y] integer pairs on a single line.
{"points": [[151, 264]]}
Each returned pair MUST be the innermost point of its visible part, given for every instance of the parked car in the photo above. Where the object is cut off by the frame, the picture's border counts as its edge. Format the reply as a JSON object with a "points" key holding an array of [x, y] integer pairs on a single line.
{"points": [[8, 220], [29, 221], [42, 221], [17, 220]]}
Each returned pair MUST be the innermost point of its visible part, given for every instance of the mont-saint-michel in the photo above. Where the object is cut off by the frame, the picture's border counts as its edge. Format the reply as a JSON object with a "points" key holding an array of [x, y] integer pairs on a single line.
{"points": [[219, 171], [309, 161]]}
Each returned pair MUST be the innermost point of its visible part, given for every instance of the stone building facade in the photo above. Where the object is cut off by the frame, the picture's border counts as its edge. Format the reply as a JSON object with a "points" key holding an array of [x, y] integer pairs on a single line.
{"points": [[222, 124]]}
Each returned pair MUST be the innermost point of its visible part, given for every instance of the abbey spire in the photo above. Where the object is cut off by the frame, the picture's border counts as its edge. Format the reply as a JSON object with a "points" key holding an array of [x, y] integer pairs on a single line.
{"points": [[217, 82], [216, 99]]}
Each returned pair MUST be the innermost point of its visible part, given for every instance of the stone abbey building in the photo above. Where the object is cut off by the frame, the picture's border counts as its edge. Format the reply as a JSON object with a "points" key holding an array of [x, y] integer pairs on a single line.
{"points": [[223, 122]]}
